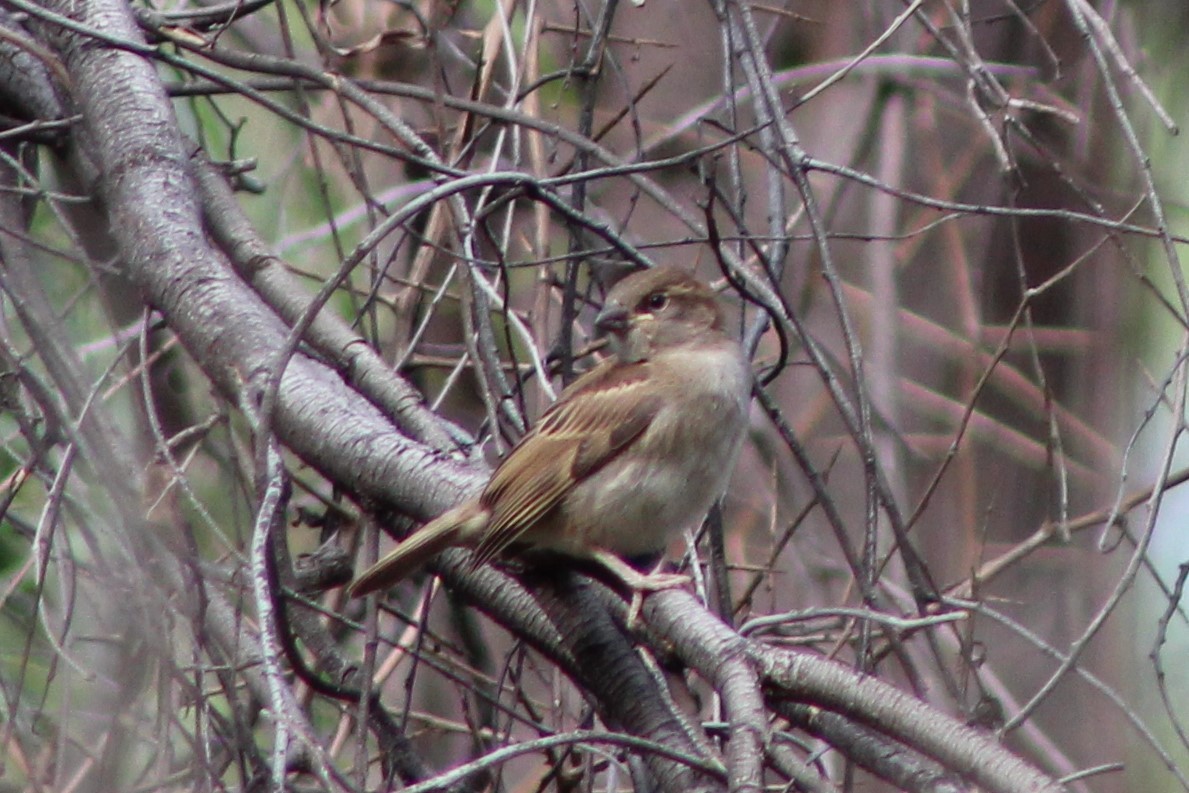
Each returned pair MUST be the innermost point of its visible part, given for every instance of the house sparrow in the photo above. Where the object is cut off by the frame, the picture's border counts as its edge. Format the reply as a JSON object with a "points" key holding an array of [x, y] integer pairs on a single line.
{"points": [[633, 451]]}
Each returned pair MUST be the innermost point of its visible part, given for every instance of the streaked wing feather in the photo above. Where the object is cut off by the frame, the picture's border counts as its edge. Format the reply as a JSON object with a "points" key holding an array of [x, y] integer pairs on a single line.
{"points": [[528, 498], [594, 420], [596, 449]]}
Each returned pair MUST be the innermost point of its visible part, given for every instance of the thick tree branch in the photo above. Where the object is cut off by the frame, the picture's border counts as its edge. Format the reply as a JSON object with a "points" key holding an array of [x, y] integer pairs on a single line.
{"points": [[698, 637]]}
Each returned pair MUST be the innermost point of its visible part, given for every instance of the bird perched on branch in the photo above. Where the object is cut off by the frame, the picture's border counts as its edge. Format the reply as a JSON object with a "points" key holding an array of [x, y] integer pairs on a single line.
{"points": [[632, 452]]}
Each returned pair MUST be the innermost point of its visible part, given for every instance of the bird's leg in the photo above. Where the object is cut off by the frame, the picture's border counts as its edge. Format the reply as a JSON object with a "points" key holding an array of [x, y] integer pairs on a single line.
{"points": [[634, 579], [638, 582]]}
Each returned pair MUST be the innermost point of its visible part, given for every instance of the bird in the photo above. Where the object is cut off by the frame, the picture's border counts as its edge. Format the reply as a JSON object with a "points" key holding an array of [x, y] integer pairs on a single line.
{"points": [[632, 452]]}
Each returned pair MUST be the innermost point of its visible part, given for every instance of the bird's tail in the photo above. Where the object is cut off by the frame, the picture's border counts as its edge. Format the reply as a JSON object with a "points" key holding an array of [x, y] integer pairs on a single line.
{"points": [[450, 528]]}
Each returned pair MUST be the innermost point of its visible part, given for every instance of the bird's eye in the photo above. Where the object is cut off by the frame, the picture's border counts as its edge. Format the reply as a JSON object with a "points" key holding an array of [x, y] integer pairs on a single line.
{"points": [[656, 301]]}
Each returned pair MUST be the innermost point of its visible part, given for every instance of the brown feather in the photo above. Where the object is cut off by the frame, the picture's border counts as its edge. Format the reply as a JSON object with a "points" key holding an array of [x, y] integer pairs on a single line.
{"points": [[596, 418], [446, 530]]}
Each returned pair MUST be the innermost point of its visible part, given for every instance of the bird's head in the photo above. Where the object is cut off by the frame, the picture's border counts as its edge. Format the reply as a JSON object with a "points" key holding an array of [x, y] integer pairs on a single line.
{"points": [[658, 309]]}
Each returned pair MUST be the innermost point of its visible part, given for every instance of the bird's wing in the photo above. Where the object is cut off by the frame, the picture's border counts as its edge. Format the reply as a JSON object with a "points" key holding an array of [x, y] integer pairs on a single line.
{"points": [[595, 419]]}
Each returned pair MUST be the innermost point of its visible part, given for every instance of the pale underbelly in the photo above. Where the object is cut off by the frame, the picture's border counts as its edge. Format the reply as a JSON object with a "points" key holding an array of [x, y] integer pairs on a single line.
{"points": [[633, 509]]}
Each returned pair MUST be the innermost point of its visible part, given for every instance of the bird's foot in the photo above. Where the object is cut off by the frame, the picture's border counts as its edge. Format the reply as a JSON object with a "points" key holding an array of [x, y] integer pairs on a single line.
{"points": [[657, 582], [639, 583]]}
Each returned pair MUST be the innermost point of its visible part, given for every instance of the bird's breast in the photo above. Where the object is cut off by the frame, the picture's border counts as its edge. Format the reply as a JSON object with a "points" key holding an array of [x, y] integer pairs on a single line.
{"points": [[675, 470]]}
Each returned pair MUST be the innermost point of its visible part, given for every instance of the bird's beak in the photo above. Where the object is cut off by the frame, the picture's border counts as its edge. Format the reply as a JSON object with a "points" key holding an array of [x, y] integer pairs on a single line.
{"points": [[612, 319]]}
